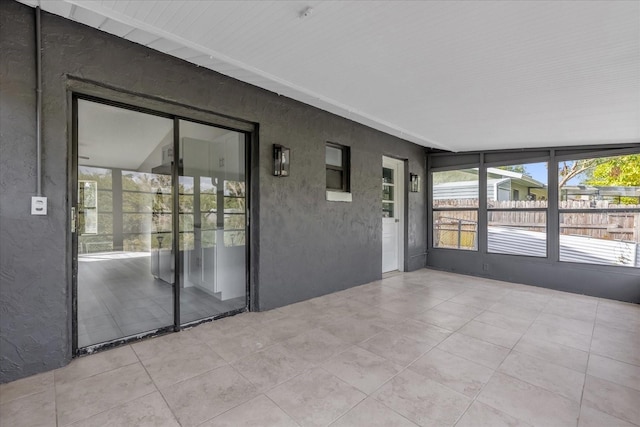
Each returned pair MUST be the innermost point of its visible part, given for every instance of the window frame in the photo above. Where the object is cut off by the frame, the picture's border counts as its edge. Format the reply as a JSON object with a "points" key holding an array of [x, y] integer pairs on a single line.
{"points": [[345, 168], [434, 209], [489, 209], [586, 155]]}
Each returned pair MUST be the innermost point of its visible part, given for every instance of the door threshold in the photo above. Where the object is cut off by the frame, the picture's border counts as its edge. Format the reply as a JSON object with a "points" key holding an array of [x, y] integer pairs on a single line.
{"points": [[391, 274]]}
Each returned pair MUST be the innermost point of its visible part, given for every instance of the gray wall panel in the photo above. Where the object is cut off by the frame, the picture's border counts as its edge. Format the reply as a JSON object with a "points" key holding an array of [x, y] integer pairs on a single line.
{"points": [[619, 283]]}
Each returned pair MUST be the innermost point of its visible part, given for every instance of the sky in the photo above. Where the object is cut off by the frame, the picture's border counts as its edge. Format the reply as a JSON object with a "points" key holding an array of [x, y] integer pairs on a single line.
{"points": [[538, 171]]}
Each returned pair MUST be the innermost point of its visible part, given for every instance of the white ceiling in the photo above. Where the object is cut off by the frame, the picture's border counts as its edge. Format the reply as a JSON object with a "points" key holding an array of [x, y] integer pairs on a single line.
{"points": [[456, 75]]}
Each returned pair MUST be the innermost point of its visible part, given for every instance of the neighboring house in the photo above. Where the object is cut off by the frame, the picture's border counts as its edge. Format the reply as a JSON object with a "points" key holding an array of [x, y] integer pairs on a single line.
{"points": [[502, 185], [612, 194]]}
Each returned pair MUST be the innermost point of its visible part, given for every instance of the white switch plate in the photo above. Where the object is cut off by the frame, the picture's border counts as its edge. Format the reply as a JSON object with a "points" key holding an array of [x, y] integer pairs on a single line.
{"points": [[38, 205]]}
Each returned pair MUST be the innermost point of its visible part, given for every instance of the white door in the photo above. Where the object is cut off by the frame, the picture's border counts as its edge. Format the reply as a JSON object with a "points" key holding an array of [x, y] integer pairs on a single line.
{"points": [[392, 205]]}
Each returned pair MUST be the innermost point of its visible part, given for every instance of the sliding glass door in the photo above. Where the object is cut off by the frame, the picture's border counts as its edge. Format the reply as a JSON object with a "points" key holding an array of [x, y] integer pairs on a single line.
{"points": [[152, 252], [212, 221]]}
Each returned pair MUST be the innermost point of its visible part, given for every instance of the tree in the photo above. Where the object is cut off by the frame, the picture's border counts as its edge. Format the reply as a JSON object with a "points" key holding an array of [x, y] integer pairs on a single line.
{"points": [[571, 169], [617, 171]]}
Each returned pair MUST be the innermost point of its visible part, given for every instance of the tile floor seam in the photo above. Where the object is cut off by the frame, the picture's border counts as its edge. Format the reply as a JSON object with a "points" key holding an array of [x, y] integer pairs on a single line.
{"points": [[391, 379], [98, 373], [445, 385], [615, 360], [110, 409], [366, 395], [475, 398], [586, 370], [25, 396], [281, 408], [227, 410], [55, 393], [343, 415], [326, 372], [175, 383], [55, 399], [386, 406], [156, 386], [264, 391]]}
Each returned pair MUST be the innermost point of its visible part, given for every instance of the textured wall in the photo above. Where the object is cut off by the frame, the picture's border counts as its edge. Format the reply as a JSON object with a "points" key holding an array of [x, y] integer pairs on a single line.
{"points": [[306, 247], [34, 332], [619, 283]]}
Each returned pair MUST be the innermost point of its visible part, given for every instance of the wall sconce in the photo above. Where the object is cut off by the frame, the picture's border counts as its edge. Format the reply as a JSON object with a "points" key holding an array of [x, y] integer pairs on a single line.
{"points": [[414, 183], [281, 160]]}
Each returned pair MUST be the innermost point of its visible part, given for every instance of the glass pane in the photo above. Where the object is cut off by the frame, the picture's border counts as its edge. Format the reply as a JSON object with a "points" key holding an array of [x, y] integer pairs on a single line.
{"points": [[209, 221], [518, 233], [124, 275], [186, 203], [387, 210], [162, 240], [455, 189], [137, 242], [334, 179], [387, 176], [234, 205], [518, 186], [607, 238], [105, 201], [212, 274], [100, 175], [387, 192], [208, 203], [186, 222], [161, 223], [208, 185], [137, 223], [334, 156], [600, 183], [187, 241], [185, 184], [137, 202], [87, 207], [145, 182], [162, 201], [208, 239], [455, 230], [234, 238], [105, 223], [234, 222], [234, 188]]}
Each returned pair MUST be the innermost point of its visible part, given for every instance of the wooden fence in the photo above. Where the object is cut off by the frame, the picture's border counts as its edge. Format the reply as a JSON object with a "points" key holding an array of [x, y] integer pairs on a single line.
{"points": [[620, 222]]}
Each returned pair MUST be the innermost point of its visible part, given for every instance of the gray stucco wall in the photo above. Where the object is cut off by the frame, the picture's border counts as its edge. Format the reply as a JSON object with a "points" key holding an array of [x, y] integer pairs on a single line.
{"points": [[618, 283], [306, 246], [33, 290]]}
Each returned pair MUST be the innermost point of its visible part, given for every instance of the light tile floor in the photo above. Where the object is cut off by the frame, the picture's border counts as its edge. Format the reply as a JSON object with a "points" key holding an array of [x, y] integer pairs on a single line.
{"points": [[423, 348]]}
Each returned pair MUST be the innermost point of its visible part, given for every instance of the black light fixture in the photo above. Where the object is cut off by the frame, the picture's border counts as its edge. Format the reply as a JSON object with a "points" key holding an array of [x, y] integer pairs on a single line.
{"points": [[281, 160], [414, 183]]}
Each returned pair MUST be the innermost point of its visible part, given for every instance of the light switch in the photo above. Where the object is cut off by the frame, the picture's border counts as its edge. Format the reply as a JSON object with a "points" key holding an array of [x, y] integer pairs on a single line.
{"points": [[38, 205]]}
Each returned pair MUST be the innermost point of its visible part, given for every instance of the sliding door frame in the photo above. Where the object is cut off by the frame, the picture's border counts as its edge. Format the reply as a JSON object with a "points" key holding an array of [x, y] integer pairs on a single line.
{"points": [[79, 89]]}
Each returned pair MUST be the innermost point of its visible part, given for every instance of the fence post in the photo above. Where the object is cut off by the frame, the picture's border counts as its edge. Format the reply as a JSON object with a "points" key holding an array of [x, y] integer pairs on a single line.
{"points": [[459, 233]]}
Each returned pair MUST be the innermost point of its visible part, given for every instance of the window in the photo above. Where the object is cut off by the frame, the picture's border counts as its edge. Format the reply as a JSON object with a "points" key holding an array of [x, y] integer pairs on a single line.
{"points": [[455, 209], [337, 159], [517, 209], [599, 206], [95, 226]]}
